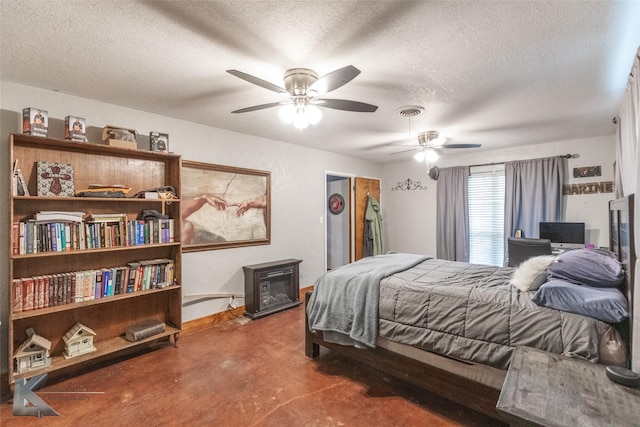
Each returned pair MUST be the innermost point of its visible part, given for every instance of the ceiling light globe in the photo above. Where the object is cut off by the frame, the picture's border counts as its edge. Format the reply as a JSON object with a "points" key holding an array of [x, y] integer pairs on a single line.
{"points": [[314, 115], [287, 113], [419, 156], [431, 156], [300, 121]]}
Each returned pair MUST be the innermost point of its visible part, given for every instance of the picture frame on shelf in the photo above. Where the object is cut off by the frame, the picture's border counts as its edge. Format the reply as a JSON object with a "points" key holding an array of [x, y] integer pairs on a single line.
{"points": [[224, 206], [55, 179], [159, 142]]}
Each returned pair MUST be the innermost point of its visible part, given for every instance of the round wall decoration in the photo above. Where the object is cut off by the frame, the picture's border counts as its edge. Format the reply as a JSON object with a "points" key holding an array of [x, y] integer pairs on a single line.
{"points": [[336, 203]]}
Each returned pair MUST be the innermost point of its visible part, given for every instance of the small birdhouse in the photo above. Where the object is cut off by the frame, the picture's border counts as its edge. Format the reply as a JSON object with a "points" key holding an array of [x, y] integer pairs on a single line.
{"points": [[78, 340], [33, 354]]}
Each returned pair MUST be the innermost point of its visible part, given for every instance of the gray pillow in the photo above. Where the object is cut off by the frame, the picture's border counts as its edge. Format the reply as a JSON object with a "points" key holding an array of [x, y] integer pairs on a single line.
{"points": [[606, 304], [591, 267]]}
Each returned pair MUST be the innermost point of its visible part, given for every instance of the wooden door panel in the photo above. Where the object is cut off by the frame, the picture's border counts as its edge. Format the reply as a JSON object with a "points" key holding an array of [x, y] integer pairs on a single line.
{"points": [[363, 188]]}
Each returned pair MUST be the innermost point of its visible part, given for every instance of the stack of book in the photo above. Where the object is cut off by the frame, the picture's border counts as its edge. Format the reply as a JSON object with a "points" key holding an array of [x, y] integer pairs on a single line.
{"points": [[54, 231], [36, 292]]}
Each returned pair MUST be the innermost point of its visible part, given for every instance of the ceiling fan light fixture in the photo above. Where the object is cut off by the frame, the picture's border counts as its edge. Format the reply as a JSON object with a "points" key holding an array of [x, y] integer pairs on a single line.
{"points": [[301, 121], [430, 155], [438, 141], [301, 115], [313, 114], [419, 156], [301, 86], [431, 138], [287, 113]]}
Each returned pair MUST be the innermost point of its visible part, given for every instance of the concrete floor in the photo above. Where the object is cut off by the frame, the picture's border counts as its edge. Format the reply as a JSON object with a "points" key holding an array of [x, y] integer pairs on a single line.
{"points": [[243, 373]]}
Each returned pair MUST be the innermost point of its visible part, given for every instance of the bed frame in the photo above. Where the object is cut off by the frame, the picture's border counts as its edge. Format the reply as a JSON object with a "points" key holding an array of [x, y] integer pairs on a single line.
{"points": [[438, 374], [622, 243]]}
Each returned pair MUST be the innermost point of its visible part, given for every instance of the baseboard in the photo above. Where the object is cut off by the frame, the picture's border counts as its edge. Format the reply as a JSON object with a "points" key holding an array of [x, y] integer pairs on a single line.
{"points": [[205, 322], [210, 320]]}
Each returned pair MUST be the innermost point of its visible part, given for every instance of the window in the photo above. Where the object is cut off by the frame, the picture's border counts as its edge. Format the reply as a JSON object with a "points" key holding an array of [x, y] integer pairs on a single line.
{"points": [[486, 214]]}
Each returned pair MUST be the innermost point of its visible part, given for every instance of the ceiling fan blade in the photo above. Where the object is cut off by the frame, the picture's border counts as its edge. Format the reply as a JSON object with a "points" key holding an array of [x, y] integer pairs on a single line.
{"points": [[343, 104], [406, 151], [258, 107], [334, 80], [461, 146], [256, 81]]}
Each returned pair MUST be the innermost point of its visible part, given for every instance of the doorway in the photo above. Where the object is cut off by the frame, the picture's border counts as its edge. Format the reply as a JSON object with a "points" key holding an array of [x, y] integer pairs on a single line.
{"points": [[345, 229], [338, 224]]}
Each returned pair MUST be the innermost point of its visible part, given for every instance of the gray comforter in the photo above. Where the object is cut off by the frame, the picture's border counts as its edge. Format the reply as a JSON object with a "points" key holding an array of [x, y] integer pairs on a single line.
{"points": [[344, 303], [471, 312]]}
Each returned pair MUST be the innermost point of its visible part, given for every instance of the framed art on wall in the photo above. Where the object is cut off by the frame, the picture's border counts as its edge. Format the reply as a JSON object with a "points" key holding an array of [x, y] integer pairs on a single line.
{"points": [[224, 206]]}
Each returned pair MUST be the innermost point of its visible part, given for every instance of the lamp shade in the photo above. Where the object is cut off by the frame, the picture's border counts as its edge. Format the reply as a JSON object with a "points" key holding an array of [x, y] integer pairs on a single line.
{"points": [[431, 156], [314, 115], [287, 113], [301, 115], [301, 121]]}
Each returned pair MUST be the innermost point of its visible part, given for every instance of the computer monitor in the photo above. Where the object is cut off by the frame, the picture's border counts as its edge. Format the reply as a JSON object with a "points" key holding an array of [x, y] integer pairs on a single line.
{"points": [[563, 235]]}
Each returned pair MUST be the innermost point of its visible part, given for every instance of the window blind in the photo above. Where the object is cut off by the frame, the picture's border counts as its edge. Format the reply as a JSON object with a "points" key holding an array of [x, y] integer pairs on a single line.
{"points": [[486, 214]]}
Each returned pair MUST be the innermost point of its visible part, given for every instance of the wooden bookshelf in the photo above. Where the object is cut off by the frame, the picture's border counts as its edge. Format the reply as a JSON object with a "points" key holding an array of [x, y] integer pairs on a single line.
{"points": [[107, 316]]}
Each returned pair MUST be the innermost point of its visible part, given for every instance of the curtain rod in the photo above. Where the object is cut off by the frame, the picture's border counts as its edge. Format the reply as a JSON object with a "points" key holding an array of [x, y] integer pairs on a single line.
{"points": [[566, 156]]}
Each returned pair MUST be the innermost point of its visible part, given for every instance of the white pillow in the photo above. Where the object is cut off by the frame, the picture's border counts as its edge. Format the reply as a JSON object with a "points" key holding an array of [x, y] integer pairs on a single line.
{"points": [[532, 273]]}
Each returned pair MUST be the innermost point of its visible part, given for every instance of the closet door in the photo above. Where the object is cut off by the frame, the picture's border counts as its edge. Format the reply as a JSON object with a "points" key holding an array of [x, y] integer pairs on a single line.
{"points": [[362, 188]]}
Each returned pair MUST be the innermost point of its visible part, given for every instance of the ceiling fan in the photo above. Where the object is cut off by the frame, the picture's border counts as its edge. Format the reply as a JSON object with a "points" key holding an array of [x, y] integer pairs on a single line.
{"points": [[303, 88], [430, 142]]}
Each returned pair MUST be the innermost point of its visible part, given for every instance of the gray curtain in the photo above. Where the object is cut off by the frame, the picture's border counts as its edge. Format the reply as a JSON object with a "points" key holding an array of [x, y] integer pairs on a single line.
{"points": [[533, 194], [452, 217]]}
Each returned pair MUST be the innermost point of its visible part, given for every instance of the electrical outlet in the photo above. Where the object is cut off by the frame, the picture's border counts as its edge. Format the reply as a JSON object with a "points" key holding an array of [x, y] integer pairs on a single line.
{"points": [[233, 303]]}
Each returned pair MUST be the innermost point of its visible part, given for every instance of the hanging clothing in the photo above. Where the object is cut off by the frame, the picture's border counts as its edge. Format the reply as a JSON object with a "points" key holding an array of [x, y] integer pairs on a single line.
{"points": [[372, 244], [367, 242]]}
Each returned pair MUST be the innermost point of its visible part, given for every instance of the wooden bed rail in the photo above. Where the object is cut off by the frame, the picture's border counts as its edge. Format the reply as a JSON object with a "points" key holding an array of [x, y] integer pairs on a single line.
{"points": [[463, 391]]}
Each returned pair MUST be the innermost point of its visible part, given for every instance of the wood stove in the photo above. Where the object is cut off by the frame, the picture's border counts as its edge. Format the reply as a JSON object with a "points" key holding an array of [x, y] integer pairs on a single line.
{"points": [[271, 287]]}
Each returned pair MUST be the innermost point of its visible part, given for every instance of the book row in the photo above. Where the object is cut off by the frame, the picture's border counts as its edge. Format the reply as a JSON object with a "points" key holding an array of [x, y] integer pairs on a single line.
{"points": [[34, 236], [50, 290]]}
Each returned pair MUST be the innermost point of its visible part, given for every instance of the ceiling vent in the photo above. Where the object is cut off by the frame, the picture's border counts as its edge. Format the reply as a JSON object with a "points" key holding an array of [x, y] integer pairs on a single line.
{"points": [[410, 110]]}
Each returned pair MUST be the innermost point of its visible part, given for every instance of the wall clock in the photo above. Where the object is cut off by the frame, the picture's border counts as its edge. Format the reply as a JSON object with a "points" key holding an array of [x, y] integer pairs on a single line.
{"points": [[336, 203]]}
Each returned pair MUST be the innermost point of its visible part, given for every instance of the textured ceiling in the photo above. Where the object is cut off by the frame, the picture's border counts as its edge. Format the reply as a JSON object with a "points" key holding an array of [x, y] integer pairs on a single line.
{"points": [[495, 73]]}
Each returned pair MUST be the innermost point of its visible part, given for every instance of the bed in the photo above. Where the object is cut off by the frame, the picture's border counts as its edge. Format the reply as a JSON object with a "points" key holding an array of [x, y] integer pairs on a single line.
{"points": [[451, 327]]}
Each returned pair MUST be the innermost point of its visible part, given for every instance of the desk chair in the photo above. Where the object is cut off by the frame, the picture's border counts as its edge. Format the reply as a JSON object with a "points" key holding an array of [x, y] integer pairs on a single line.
{"points": [[521, 249]]}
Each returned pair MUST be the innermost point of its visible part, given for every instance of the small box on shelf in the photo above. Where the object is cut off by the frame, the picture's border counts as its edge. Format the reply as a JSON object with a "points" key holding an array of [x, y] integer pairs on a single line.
{"points": [[116, 136], [35, 121], [75, 128]]}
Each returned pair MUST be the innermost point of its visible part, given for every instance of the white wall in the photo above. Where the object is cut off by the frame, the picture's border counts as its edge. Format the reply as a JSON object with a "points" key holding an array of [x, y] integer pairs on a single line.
{"points": [[410, 216], [297, 189]]}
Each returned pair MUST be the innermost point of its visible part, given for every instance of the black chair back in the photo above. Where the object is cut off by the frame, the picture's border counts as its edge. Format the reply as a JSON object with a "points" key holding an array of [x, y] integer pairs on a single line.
{"points": [[521, 249]]}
